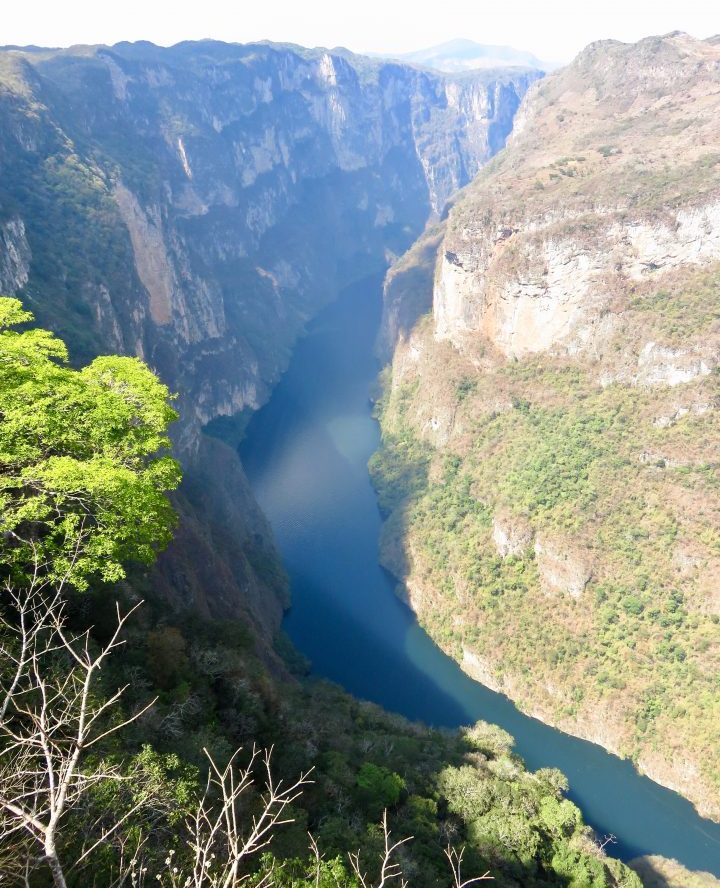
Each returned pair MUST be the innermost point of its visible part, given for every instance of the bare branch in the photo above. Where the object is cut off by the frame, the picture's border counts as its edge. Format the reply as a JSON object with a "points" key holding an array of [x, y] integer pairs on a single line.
{"points": [[221, 843], [455, 859], [389, 868], [49, 717]]}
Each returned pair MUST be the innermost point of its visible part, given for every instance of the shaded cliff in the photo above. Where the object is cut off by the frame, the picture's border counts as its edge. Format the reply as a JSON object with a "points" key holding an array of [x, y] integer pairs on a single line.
{"points": [[554, 417], [196, 205]]}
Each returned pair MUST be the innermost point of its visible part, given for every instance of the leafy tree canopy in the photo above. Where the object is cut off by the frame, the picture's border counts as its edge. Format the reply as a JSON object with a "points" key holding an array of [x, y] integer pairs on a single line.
{"points": [[381, 787], [83, 478]]}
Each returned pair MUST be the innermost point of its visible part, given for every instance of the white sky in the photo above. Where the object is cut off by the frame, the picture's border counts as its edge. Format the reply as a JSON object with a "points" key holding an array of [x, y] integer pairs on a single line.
{"points": [[554, 30]]}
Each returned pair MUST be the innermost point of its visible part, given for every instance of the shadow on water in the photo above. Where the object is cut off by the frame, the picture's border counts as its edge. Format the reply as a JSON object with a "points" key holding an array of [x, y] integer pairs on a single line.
{"points": [[306, 456]]}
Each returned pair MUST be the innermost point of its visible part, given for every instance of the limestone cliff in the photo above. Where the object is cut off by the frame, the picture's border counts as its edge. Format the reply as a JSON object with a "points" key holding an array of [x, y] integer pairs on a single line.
{"points": [[611, 180], [560, 400], [196, 205]]}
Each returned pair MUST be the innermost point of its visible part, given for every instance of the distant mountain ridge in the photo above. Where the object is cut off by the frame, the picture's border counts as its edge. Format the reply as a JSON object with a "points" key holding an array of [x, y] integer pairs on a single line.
{"points": [[461, 54]]}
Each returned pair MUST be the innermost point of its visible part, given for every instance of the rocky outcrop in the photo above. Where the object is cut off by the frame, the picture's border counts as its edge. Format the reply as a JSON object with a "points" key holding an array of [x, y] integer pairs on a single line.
{"points": [[14, 256], [678, 410], [561, 568], [651, 364], [662, 365], [512, 535]]}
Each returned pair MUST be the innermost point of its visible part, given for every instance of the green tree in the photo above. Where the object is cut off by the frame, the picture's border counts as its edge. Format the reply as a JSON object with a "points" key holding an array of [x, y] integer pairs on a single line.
{"points": [[83, 483], [82, 487], [379, 787]]}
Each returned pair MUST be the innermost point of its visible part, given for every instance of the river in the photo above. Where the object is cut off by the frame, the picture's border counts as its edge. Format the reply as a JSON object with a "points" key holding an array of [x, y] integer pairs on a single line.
{"points": [[306, 456]]}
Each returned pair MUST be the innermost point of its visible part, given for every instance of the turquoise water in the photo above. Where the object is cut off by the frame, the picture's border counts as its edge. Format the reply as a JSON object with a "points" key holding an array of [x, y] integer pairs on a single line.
{"points": [[306, 455]]}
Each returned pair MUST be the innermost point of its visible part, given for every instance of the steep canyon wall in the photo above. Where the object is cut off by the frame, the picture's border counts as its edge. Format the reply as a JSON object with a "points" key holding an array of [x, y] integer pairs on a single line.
{"points": [[558, 403]]}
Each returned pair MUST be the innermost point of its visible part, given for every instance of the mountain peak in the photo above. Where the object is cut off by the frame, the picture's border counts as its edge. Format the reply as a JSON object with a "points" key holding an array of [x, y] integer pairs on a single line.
{"points": [[463, 54]]}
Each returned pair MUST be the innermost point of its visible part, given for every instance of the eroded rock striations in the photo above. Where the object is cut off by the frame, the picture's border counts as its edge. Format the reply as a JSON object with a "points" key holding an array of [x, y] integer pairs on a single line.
{"points": [[560, 398], [196, 205]]}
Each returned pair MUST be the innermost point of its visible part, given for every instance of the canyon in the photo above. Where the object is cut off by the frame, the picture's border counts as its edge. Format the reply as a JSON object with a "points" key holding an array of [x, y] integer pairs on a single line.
{"points": [[548, 465], [195, 206]]}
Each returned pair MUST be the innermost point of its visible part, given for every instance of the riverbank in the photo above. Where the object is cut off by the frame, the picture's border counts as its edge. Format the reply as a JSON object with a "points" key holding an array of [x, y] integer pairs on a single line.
{"points": [[597, 726], [658, 872]]}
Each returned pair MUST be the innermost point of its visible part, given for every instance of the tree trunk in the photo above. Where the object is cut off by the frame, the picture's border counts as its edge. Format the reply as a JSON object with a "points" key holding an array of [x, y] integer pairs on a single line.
{"points": [[54, 864]]}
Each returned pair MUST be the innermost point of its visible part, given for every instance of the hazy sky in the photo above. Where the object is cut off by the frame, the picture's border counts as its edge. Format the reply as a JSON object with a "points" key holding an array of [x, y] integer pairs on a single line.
{"points": [[554, 30]]}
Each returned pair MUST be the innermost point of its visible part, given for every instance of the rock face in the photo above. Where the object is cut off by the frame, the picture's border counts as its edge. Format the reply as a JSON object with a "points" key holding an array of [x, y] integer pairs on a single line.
{"points": [[242, 183], [581, 205], [196, 205], [408, 291], [14, 256], [512, 535], [561, 569], [570, 345], [553, 296]]}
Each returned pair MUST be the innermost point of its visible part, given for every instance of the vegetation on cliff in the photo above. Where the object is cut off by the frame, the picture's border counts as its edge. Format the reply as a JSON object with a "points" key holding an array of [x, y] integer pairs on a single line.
{"points": [[606, 593]]}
